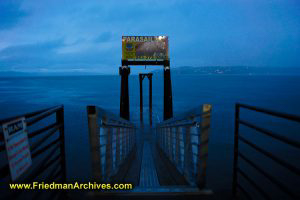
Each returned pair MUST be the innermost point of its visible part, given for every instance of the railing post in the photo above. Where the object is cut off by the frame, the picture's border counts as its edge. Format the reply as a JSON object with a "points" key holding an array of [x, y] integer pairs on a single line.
{"points": [[108, 153], [150, 98], [203, 145], [118, 147], [94, 133], [129, 137], [165, 140], [187, 153], [60, 120], [236, 150], [177, 149], [127, 141], [133, 136], [162, 131], [123, 143], [159, 137], [170, 143]]}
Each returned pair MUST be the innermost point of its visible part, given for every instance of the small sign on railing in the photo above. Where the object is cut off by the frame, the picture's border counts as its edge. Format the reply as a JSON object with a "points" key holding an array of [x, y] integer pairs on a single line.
{"points": [[17, 147]]}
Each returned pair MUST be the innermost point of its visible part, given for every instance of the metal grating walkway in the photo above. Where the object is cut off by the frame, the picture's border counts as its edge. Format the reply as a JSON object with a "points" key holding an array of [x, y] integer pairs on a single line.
{"points": [[148, 175]]}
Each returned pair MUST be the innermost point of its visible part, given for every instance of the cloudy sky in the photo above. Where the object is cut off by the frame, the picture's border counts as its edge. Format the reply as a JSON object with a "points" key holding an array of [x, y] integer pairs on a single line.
{"points": [[70, 35]]}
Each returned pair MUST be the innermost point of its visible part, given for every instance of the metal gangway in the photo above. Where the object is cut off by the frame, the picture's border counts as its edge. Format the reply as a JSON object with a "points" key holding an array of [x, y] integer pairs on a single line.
{"points": [[168, 158]]}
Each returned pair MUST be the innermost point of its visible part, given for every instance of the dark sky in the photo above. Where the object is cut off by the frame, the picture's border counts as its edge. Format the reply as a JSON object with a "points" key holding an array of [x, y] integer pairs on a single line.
{"points": [[70, 35]]}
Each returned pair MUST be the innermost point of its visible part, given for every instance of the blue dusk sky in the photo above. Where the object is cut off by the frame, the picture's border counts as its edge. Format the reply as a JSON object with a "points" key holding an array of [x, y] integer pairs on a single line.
{"points": [[85, 36]]}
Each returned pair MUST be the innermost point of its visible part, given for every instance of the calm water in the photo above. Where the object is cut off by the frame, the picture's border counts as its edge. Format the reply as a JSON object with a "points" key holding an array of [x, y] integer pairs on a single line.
{"points": [[282, 93]]}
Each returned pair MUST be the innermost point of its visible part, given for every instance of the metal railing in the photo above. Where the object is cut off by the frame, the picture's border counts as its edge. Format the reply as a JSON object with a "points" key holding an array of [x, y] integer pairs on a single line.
{"points": [[112, 141], [264, 172], [47, 147], [184, 140]]}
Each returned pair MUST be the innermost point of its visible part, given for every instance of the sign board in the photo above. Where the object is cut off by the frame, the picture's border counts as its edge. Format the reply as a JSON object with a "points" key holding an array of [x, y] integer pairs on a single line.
{"points": [[17, 147], [145, 47]]}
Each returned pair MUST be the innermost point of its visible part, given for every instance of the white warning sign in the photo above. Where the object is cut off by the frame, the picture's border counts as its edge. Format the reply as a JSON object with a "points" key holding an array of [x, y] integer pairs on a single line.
{"points": [[17, 147]]}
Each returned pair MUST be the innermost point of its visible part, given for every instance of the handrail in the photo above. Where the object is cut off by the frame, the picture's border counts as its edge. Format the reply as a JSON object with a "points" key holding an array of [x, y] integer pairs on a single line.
{"points": [[276, 159], [268, 176], [102, 113], [27, 115], [271, 156], [191, 128], [46, 146], [271, 134], [195, 112], [271, 112], [118, 133]]}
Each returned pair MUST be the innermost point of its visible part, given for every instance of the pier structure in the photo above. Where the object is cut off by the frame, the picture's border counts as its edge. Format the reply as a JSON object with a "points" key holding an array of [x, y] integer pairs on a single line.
{"points": [[169, 159], [172, 163], [124, 72]]}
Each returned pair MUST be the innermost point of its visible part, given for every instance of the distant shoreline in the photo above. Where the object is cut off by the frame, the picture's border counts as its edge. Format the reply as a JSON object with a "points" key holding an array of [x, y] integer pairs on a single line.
{"points": [[185, 70]]}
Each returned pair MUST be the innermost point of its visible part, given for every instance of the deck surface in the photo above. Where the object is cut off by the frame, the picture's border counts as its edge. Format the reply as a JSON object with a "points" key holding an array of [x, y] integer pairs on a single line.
{"points": [[148, 175]]}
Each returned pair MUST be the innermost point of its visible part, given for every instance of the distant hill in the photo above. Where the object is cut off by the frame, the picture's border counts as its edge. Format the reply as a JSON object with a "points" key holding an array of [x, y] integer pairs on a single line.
{"points": [[28, 74], [183, 70], [233, 70], [13, 73]]}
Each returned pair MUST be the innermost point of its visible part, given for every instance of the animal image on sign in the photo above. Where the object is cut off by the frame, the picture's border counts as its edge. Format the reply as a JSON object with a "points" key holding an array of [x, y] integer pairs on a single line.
{"points": [[145, 47]]}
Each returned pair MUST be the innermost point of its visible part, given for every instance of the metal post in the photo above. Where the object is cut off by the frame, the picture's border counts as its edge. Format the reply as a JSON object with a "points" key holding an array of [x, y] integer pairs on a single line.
{"points": [[187, 153], [126, 139], [161, 137], [123, 143], [118, 147], [94, 133], [165, 140], [128, 145], [172, 141], [124, 71], [150, 98], [236, 150], [203, 145], [141, 97], [60, 120], [168, 105], [108, 153], [177, 149]]}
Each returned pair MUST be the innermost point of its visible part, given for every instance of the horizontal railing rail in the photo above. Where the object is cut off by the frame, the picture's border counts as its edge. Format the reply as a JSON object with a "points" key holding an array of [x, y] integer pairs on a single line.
{"points": [[184, 141], [264, 172], [47, 148], [112, 140]]}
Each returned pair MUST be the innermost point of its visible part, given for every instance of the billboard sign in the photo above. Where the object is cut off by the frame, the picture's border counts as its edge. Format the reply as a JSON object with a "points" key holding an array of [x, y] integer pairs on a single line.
{"points": [[145, 48], [17, 147]]}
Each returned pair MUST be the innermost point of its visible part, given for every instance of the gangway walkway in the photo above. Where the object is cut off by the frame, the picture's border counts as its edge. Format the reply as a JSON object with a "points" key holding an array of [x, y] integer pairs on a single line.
{"points": [[148, 175], [168, 159]]}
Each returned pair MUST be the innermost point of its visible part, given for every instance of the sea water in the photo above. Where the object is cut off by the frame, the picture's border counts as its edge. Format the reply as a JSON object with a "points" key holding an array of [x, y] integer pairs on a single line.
{"points": [[19, 95]]}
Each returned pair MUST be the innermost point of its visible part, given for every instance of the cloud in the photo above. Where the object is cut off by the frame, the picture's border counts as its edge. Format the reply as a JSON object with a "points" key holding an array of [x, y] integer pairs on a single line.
{"points": [[47, 55], [39, 54], [65, 34], [10, 14], [31, 50], [103, 37]]}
